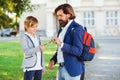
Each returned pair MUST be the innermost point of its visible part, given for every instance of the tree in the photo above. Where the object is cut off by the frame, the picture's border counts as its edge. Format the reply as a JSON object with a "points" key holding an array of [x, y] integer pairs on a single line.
{"points": [[21, 6], [13, 6], [3, 17]]}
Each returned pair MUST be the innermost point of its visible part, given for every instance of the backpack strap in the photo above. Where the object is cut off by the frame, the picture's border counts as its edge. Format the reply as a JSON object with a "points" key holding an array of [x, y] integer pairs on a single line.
{"points": [[85, 28]]}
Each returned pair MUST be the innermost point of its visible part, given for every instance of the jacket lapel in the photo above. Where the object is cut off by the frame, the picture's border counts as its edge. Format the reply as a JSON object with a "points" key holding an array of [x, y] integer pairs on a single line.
{"points": [[69, 29]]}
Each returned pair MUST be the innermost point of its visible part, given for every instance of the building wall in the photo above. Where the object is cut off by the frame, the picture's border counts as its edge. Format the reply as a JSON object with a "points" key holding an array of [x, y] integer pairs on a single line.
{"points": [[99, 7]]}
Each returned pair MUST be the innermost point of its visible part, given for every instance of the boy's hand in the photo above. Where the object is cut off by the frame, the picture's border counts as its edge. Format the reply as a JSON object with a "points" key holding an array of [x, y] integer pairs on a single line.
{"points": [[42, 47]]}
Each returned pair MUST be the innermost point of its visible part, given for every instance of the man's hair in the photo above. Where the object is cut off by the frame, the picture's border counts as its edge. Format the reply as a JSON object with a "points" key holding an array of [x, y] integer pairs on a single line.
{"points": [[67, 9]]}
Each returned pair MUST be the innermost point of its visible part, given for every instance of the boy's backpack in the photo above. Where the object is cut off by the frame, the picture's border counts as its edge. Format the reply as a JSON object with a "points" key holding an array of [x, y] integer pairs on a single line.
{"points": [[88, 46]]}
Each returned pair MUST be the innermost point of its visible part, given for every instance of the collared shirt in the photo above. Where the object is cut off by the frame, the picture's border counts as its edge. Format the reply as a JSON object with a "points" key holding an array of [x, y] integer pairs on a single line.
{"points": [[61, 38], [38, 64]]}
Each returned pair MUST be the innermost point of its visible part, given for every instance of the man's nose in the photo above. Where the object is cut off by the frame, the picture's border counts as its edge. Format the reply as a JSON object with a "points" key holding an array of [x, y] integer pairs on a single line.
{"points": [[58, 18]]}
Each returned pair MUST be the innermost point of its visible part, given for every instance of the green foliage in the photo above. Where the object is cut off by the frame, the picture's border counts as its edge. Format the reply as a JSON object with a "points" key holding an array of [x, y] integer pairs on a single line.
{"points": [[4, 20], [15, 6], [11, 58], [20, 6], [12, 6]]}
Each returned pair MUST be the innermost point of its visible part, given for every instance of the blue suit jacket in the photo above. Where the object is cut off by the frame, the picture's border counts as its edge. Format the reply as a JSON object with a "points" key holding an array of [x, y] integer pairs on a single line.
{"points": [[72, 48]]}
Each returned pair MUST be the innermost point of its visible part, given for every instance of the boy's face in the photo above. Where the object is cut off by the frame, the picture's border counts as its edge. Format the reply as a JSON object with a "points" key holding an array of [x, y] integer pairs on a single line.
{"points": [[62, 18], [32, 29]]}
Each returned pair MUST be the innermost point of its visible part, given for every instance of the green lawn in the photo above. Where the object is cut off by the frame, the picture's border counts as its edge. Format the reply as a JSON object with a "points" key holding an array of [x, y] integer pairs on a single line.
{"points": [[11, 58]]}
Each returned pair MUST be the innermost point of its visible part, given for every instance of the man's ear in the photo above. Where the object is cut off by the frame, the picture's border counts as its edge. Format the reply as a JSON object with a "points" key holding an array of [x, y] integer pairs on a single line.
{"points": [[69, 15]]}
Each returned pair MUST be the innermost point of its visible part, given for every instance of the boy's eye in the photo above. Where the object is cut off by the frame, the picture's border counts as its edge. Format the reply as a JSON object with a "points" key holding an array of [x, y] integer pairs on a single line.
{"points": [[34, 26]]}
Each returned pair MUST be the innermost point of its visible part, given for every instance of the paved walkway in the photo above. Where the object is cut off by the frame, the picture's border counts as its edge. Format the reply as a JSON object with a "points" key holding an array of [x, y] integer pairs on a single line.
{"points": [[106, 64]]}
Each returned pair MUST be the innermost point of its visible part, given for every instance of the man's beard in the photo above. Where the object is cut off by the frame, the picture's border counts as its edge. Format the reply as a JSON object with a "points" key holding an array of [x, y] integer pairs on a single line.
{"points": [[63, 23]]}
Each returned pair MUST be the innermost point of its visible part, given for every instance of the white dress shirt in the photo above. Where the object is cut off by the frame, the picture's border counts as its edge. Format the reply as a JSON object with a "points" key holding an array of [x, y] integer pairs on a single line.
{"points": [[61, 38]]}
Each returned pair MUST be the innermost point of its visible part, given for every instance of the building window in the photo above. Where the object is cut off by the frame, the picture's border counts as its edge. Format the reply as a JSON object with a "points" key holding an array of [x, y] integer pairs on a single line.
{"points": [[111, 18], [89, 18]]}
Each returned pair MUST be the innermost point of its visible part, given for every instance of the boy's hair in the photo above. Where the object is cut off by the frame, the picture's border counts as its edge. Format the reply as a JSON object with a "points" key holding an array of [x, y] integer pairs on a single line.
{"points": [[67, 9], [29, 22]]}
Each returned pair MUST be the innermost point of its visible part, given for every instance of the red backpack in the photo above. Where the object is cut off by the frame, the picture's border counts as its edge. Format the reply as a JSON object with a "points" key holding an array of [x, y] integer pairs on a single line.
{"points": [[89, 50]]}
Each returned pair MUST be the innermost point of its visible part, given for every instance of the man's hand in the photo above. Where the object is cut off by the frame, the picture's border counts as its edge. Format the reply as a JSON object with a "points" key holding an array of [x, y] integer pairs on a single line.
{"points": [[56, 41], [51, 65], [43, 71]]}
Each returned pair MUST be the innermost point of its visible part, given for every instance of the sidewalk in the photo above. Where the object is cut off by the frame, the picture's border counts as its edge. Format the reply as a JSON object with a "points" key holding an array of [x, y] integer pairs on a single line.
{"points": [[106, 64]]}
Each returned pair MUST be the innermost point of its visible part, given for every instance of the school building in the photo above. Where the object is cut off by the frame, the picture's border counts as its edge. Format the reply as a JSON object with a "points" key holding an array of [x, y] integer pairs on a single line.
{"points": [[101, 17]]}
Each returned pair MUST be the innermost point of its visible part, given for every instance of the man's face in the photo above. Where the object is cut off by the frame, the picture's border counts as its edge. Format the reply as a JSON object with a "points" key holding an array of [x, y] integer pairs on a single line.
{"points": [[62, 18]]}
